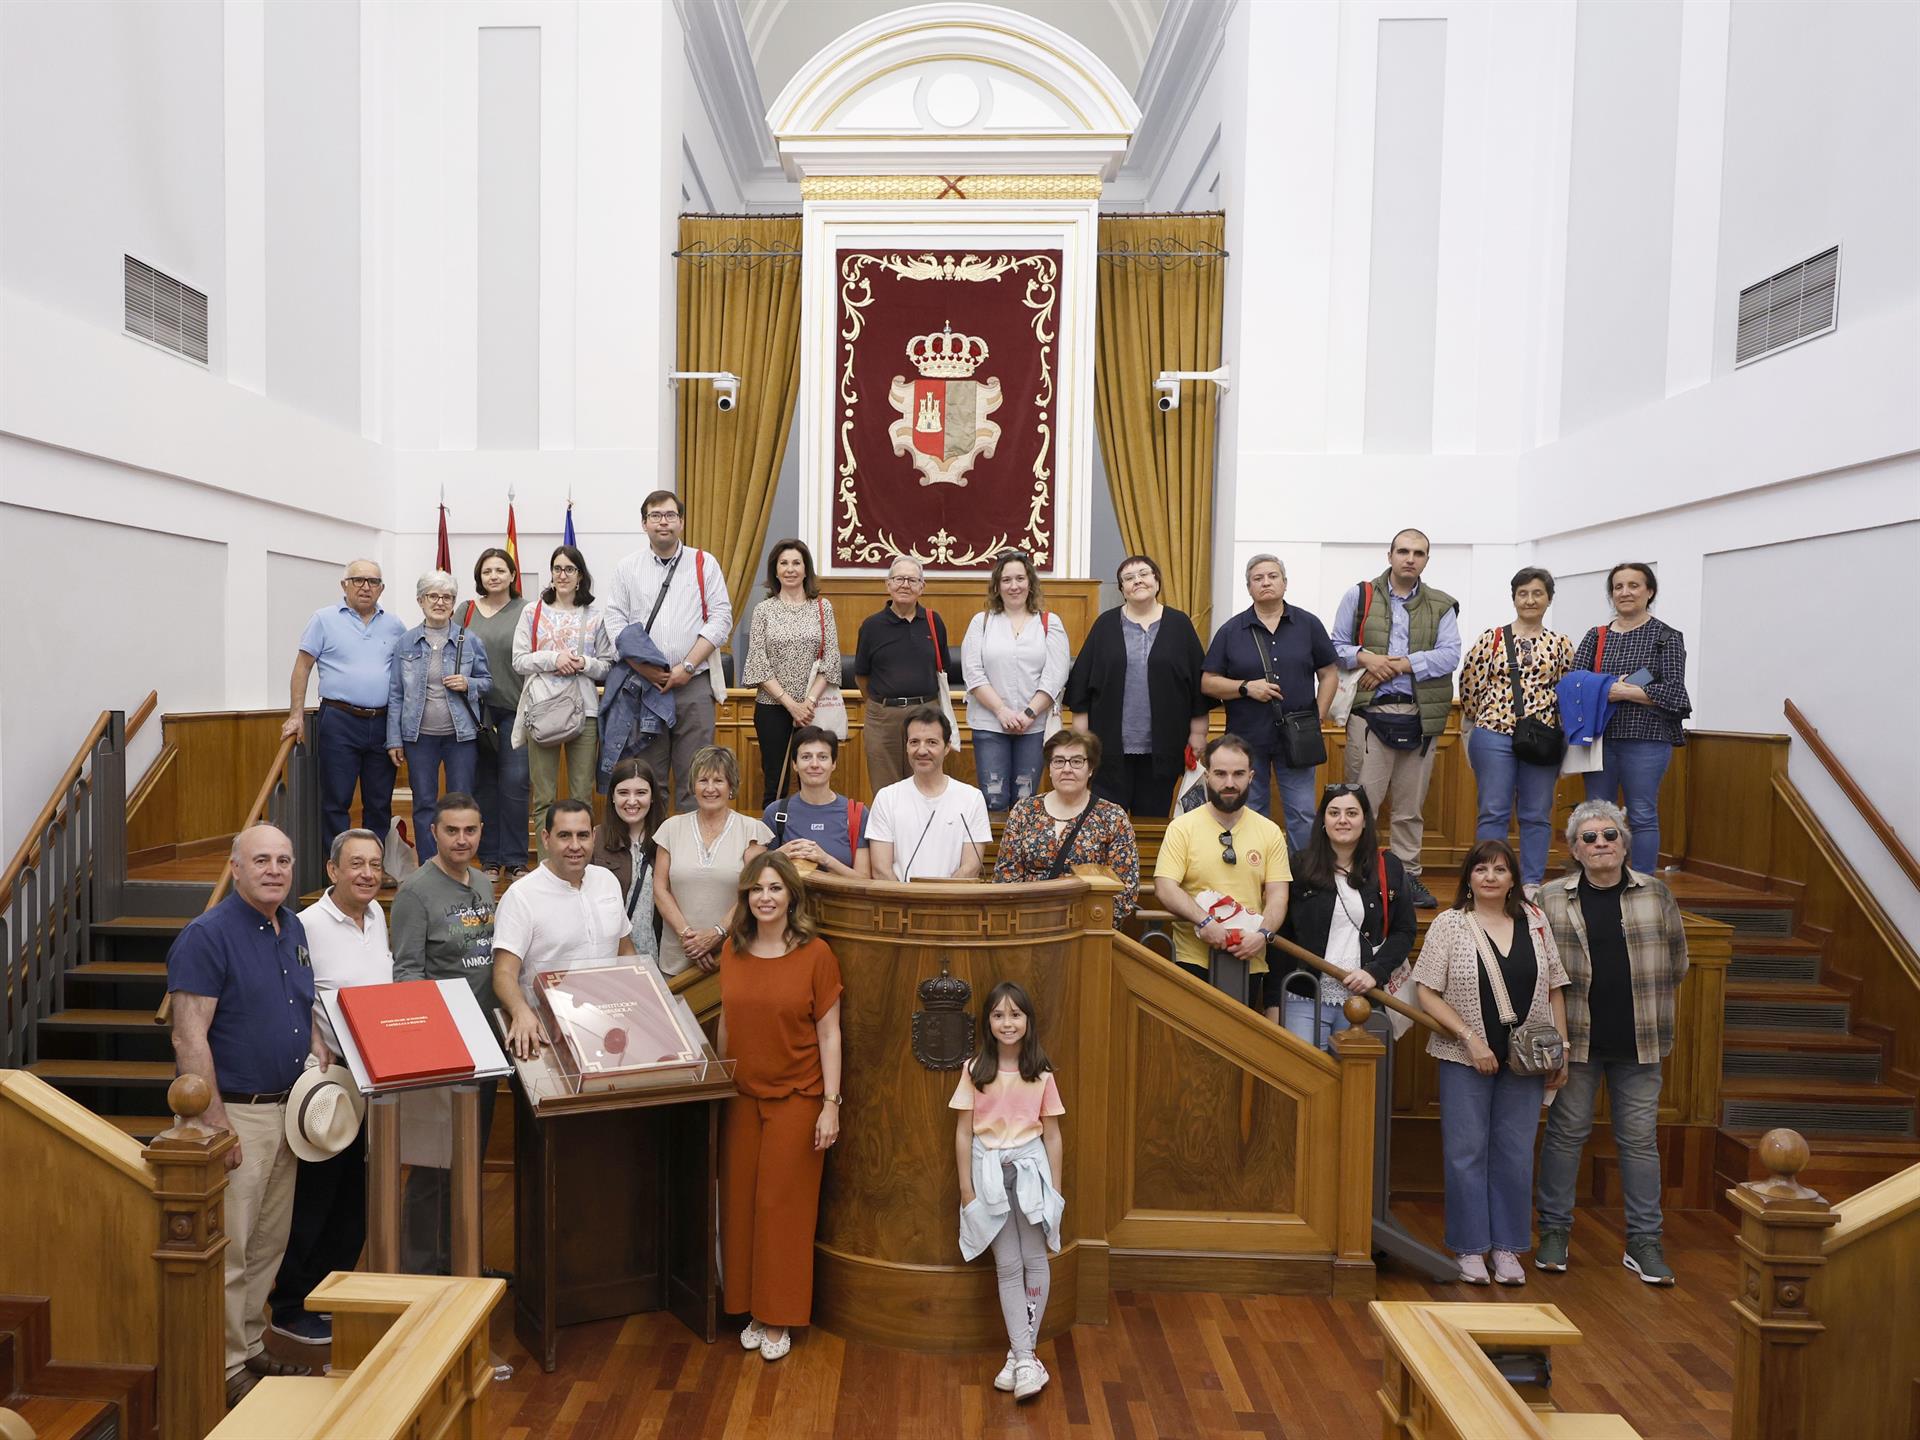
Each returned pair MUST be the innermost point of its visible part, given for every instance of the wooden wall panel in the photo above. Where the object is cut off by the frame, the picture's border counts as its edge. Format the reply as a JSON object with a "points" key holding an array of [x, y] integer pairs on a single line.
{"points": [[1860, 1374]]}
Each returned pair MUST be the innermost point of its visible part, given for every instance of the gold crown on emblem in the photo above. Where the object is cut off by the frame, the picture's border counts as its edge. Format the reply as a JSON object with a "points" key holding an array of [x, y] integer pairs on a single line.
{"points": [[946, 356]]}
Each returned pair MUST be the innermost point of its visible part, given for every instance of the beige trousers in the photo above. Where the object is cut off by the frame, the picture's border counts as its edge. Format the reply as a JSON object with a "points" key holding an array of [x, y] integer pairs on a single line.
{"points": [[259, 1213], [883, 735], [1383, 771]]}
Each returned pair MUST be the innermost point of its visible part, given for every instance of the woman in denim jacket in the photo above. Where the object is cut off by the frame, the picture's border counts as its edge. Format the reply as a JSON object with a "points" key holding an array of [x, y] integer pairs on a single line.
{"points": [[437, 680]]}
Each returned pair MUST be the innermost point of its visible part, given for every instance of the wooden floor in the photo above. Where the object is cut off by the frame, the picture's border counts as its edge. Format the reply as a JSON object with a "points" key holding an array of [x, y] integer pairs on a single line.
{"points": [[1166, 1365]]}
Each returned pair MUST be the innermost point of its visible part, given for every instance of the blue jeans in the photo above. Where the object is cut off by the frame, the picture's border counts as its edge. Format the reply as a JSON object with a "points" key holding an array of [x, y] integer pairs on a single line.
{"points": [[1298, 804], [1007, 766], [425, 756], [500, 785], [352, 750], [1487, 1124], [1634, 1090], [1635, 768], [1499, 776]]}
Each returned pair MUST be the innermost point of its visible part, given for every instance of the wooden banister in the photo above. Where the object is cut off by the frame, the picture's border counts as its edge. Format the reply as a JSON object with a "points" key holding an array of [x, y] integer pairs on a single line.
{"points": [[1376, 995], [1850, 787], [143, 713], [256, 812]]}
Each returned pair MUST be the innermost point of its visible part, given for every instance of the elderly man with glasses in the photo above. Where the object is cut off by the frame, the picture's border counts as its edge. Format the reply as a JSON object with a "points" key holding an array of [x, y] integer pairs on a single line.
{"points": [[900, 664], [1620, 936], [352, 644]]}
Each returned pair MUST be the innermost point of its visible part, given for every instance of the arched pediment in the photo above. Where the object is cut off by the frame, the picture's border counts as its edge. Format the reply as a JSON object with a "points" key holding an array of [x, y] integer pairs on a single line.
{"points": [[943, 87]]}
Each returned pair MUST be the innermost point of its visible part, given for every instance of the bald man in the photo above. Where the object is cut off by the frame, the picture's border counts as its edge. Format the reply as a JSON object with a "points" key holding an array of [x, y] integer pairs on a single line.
{"points": [[242, 987]]}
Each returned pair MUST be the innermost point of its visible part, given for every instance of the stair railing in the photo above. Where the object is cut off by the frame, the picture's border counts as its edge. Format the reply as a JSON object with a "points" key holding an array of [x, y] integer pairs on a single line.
{"points": [[1850, 787], [70, 870]]}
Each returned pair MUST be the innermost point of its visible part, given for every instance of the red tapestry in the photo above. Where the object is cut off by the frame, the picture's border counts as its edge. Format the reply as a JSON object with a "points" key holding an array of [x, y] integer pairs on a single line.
{"points": [[946, 376]]}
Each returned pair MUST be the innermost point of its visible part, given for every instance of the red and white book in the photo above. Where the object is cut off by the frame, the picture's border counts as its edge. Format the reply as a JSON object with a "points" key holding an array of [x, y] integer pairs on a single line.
{"points": [[405, 1032], [613, 1026]]}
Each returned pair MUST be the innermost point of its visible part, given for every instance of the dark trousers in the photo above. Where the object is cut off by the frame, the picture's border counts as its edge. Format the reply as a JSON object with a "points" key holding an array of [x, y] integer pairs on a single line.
{"points": [[353, 751], [329, 1226], [426, 1208], [425, 757], [774, 727], [500, 784], [1138, 792]]}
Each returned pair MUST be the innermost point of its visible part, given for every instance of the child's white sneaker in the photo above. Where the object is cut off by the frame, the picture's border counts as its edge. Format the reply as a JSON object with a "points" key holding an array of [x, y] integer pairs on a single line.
{"points": [[1029, 1377], [1004, 1380]]}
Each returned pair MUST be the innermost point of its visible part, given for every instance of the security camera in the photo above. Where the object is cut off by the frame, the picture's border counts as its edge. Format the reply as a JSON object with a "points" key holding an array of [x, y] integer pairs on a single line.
{"points": [[726, 384], [1166, 385]]}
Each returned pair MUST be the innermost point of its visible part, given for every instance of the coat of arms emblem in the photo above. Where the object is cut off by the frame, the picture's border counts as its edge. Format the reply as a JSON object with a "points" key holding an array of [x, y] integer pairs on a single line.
{"points": [[943, 426]]}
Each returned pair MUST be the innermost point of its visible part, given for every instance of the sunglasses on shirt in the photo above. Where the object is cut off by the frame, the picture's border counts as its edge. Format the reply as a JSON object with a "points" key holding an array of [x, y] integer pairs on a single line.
{"points": [[1226, 846], [1587, 837]]}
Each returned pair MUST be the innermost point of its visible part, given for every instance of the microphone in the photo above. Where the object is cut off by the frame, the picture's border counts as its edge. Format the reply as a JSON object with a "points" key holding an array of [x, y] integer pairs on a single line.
{"points": [[907, 873]]}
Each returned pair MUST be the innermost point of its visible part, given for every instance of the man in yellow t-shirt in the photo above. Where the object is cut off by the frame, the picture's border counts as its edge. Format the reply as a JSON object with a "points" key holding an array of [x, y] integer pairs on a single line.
{"points": [[1224, 846]]}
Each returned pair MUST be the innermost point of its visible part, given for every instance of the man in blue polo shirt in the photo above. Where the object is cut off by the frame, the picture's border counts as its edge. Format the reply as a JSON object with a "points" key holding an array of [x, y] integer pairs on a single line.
{"points": [[1271, 661], [242, 987], [352, 643]]}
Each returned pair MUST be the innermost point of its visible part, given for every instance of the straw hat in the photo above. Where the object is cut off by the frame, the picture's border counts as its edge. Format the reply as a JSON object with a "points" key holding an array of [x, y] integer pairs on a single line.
{"points": [[323, 1112]]}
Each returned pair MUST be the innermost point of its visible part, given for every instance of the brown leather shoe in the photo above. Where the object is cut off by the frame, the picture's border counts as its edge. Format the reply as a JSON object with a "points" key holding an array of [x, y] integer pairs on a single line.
{"points": [[238, 1386], [265, 1364]]}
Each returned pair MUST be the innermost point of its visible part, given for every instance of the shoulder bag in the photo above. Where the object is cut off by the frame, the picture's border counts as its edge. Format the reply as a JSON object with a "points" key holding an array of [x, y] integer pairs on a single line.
{"points": [[1533, 1048], [555, 711], [1534, 741], [830, 710], [1301, 744], [1342, 706]]}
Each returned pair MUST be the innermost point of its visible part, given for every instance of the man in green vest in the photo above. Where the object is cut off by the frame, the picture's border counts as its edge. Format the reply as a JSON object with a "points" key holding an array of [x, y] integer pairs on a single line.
{"points": [[1404, 639]]}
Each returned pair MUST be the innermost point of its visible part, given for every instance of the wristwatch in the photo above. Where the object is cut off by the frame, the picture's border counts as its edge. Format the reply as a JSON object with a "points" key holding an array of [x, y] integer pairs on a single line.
{"points": [[1266, 934], [1028, 709], [687, 665], [834, 1099], [1243, 689]]}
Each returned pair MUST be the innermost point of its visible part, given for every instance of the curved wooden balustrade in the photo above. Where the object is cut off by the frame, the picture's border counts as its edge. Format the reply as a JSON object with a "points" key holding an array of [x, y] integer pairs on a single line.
{"points": [[1438, 1384], [1851, 788], [1829, 1309], [1204, 1147], [126, 1242], [410, 1360]]}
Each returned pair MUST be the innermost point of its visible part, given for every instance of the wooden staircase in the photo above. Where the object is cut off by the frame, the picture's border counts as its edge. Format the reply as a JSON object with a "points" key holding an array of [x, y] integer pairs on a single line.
{"points": [[1793, 1056], [68, 1402]]}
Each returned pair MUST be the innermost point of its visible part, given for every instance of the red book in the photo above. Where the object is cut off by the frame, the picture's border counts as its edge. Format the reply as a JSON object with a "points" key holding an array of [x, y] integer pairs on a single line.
{"points": [[405, 1032]]}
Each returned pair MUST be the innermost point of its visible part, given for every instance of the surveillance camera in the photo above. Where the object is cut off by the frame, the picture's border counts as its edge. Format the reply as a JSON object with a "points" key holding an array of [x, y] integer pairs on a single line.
{"points": [[1166, 394], [726, 391]]}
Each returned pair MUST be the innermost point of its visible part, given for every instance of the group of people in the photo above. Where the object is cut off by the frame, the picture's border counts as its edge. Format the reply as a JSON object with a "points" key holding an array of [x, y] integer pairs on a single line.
{"points": [[483, 698]]}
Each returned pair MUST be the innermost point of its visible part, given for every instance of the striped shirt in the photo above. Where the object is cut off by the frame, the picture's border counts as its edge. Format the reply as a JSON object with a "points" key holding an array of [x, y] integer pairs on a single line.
{"points": [[1656, 952], [1654, 646]]}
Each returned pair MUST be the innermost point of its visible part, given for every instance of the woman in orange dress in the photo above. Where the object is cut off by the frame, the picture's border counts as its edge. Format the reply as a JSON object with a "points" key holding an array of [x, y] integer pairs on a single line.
{"points": [[780, 1020]]}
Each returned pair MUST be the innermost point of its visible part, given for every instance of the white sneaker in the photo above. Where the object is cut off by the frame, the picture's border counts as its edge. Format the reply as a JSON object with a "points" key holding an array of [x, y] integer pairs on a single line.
{"points": [[1029, 1377], [1507, 1269], [1473, 1270], [1004, 1380]]}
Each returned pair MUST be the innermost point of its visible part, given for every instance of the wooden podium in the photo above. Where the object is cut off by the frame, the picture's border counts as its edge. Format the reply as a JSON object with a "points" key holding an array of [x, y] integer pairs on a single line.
{"points": [[615, 1205]]}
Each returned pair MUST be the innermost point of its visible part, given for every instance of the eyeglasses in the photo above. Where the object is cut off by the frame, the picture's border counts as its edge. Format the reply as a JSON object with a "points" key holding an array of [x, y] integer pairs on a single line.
{"points": [[1068, 762], [662, 515], [1226, 846], [373, 581], [566, 569], [1587, 837], [914, 580], [437, 595], [1334, 792]]}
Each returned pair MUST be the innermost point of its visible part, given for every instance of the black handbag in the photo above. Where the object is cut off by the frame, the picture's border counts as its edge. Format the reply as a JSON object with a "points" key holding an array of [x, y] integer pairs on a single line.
{"points": [[1535, 742], [1299, 741]]}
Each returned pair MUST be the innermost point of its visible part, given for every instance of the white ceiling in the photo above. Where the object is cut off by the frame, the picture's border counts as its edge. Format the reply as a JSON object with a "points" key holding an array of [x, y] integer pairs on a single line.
{"points": [[782, 35]]}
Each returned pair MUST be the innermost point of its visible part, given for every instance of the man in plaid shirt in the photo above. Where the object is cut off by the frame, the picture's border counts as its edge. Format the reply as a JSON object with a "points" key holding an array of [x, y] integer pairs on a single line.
{"points": [[1621, 938]]}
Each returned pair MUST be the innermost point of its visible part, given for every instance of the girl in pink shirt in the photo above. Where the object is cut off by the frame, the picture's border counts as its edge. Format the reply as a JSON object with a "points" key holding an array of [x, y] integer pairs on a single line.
{"points": [[1007, 1146]]}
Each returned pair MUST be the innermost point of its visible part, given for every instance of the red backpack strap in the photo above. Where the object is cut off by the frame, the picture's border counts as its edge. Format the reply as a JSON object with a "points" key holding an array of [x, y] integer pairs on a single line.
{"points": [[939, 660], [533, 640], [467, 620], [1600, 650], [700, 581], [1385, 909], [1044, 617], [854, 812]]}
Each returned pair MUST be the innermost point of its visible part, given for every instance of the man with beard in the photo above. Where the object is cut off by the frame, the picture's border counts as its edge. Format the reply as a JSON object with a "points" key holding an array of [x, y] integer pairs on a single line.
{"points": [[1230, 853]]}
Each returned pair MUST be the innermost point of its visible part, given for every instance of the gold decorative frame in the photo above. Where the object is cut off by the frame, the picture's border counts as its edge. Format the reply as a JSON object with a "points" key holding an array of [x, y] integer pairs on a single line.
{"points": [[950, 187]]}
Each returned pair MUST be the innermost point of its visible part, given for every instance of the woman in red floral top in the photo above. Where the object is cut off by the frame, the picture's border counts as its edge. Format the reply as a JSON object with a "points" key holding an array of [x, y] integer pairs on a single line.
{"points": [[1069, 819]]}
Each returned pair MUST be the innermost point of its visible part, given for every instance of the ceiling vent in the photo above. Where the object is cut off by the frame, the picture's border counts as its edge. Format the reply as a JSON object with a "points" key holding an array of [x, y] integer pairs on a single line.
{"points": [[163, 312], [1782, 310]]}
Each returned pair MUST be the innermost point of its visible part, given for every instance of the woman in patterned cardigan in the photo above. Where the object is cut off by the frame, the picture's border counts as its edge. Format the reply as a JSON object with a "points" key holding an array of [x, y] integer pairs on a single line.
{"points": [[1091, 830]]}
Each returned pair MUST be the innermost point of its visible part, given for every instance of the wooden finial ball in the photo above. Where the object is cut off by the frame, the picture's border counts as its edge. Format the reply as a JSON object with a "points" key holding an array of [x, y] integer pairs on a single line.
{"points": [[188, 1096], [1783, 1152], [1358, 1010]]}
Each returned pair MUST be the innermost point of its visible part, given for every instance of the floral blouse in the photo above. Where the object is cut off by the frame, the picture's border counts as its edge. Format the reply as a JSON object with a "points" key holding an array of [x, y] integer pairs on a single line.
{"points": [[1486, 682], [791, 644], [1031, 841]]}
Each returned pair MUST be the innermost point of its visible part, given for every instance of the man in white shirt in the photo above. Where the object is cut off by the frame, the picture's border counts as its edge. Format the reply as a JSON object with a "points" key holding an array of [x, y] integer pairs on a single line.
{"points": [[928, 826], [564, 915], [347, 940], [679, 595]]}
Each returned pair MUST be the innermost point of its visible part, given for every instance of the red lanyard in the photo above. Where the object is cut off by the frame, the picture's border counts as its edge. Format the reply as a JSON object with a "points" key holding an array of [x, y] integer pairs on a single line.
{"points": [[1600, 651]]}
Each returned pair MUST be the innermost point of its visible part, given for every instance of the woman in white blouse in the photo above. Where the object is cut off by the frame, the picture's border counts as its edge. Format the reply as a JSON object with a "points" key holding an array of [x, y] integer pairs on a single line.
{"points": [[698, 856], [560, 643], [1014, 663]]}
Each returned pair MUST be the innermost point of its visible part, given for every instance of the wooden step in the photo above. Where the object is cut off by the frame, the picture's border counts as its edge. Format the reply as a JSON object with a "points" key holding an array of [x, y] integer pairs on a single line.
{"points": [[1751, 916], [1789, 961], [105, 1072], [127, 1022], [1814, 1106], [120, 971], [1768, 1006], [139, 1127], [1839, 1166], [55, 1417], [1813, 1054], [163, 926]]}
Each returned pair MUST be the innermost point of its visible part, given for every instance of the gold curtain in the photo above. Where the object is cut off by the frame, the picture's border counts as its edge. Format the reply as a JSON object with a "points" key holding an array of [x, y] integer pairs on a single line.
{"points": [[739, 311], [1160, 311]]}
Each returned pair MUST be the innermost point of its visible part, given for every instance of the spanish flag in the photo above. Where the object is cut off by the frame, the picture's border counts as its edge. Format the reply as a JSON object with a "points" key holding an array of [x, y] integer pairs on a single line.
{"points": [[513, 547]]}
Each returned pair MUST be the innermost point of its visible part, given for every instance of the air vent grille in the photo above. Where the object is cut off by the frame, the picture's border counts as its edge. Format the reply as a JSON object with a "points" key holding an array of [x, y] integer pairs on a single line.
{"points": [[1797, 304], [164, 312]]}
